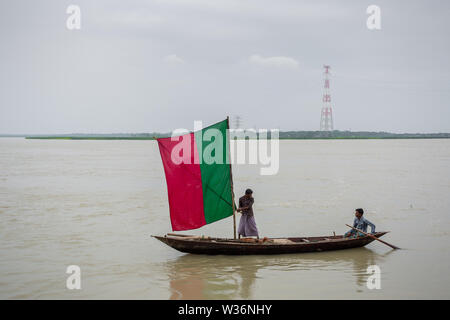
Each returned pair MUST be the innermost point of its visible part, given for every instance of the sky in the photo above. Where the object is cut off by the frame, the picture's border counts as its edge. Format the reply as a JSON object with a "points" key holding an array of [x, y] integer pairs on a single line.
{"points": [[158, 65]]}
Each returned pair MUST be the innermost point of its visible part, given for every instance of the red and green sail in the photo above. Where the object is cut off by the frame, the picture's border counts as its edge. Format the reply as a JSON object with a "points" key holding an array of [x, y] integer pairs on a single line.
{"points": [[199, 188]]}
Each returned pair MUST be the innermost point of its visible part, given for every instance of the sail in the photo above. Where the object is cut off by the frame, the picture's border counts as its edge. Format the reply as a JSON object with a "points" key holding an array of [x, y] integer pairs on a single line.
{"points": [[198, 176]]}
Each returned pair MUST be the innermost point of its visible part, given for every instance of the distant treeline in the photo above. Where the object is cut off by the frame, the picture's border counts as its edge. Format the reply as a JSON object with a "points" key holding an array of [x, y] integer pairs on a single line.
{"points": [[106, 136], [336, 134]]}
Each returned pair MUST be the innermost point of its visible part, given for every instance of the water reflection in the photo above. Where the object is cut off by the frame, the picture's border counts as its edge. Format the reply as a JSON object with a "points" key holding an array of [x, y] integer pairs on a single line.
{"points": [[234, 277]]}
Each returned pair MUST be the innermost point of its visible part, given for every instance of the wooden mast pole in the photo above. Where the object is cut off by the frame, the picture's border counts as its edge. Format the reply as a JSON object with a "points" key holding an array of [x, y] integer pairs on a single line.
{"points": [[231, 179]]}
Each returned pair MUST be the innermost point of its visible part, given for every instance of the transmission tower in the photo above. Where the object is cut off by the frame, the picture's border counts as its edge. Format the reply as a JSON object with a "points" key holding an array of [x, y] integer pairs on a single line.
{"points": [[237, 122], [326, 117]]}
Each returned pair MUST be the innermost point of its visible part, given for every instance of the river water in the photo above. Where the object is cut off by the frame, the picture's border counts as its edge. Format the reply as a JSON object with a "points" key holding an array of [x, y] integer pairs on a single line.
{"points": [[96, 204]]}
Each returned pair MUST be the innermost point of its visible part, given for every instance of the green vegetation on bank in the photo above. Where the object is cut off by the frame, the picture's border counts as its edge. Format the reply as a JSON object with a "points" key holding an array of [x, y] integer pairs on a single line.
{"points": [[336, 134], [88, 138], [291, 135], [112, 136]]}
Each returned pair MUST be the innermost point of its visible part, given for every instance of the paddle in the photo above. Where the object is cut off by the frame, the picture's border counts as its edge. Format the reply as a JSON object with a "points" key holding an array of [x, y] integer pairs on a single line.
{"points": [[372, 236]]}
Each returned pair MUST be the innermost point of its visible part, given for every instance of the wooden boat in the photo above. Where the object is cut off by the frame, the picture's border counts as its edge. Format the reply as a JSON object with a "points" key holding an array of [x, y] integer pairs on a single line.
{"points": [[186, 181], [214, 246]]}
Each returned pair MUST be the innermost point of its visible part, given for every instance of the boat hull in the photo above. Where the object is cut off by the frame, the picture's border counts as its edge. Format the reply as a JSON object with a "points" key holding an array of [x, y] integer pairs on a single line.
{"points": [[215, 246]]}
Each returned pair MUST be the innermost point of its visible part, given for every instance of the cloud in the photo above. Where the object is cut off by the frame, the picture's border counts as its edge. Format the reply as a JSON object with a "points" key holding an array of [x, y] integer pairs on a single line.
{"points": [[173, 59], [285, 62]]}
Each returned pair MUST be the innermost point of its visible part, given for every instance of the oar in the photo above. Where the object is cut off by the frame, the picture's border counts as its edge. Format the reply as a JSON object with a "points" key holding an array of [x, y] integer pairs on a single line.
{"points": [[372, 236]]}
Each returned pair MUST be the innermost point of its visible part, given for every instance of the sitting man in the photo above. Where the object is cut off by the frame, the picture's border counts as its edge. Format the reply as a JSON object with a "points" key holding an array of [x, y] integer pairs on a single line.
{"points": [[361, 224]]}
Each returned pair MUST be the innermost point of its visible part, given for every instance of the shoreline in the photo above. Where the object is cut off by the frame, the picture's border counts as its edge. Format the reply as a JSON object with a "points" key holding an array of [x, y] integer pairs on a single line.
{"points": [[281, 138]]}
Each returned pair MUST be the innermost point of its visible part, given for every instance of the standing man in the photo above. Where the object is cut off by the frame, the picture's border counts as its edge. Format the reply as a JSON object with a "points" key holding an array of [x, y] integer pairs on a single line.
{"points": [[247, 224]]}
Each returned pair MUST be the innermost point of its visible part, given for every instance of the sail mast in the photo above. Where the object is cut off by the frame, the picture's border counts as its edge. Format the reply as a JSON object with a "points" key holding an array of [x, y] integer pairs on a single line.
{"points": [[231, 179]]}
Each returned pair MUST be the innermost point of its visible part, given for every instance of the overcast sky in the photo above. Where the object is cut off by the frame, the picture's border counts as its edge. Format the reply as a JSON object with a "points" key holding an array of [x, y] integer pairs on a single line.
{"points": [[157, 65]]}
